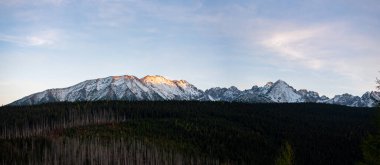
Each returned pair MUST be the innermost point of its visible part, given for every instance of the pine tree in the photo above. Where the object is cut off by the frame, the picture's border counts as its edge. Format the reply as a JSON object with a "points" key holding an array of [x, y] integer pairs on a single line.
{"points": [[286, 155]]}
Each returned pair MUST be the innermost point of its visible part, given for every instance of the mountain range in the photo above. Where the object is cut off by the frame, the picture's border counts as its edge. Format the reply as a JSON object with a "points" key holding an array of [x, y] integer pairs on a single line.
{"points": [[154, 88]]}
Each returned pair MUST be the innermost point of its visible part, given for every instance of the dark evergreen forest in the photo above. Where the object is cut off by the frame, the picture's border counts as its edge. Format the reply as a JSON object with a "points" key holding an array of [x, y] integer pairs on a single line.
{"points": [[182, 132]]}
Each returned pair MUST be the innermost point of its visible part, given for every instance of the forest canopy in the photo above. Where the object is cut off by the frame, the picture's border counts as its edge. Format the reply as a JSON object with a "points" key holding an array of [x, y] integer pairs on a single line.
{"points": [[213, 132]]}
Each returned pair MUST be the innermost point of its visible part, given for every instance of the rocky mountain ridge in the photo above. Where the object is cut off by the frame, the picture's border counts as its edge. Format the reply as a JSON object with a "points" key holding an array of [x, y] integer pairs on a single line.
{"points": [[154, 88]]}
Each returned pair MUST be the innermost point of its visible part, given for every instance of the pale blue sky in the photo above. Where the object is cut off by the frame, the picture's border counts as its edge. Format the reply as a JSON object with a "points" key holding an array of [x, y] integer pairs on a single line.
{"points": [[329, 46]]}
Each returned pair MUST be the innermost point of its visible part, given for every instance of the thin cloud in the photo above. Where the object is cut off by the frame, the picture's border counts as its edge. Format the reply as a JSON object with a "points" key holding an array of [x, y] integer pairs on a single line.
{"points": [[296, 45], [323, 47], [44, 38]]}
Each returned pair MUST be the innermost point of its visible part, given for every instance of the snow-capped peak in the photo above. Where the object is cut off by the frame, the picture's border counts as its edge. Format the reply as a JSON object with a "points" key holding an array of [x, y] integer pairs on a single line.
{"points": [[268, 85], [280, 82], [171, 89], [280, 91], [157, 80]]}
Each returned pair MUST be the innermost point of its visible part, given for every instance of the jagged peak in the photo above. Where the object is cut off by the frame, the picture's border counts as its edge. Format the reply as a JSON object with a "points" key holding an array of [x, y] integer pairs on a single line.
{"points": [[233, 88], [215, 88], [280, 82], [130, 77], [369, 92], [375, 93], [123, 77], [157, 79], [181, 81], [269, 84], [255, 87], [346, 95], [153, 77], [324, 97], [303, 90]]}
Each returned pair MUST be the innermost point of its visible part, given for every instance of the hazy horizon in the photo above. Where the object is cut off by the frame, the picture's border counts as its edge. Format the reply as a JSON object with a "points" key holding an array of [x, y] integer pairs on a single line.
{"points": [[328, 47]]}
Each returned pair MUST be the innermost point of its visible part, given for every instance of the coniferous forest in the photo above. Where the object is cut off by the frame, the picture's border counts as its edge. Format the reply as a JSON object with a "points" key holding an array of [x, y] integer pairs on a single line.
{"points": [[183, 132]]}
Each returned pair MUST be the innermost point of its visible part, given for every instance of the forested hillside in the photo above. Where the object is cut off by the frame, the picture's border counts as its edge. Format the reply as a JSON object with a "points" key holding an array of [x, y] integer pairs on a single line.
{"points": [[180, 132]]}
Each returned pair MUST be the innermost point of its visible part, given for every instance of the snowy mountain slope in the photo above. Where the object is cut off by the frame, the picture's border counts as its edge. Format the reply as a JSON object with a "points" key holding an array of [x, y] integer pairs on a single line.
{"points": [[281, 92], [309, 96], [223, 94], [368, 99], [117, 88], [152, 88], [346, 99], [171, 90]]}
